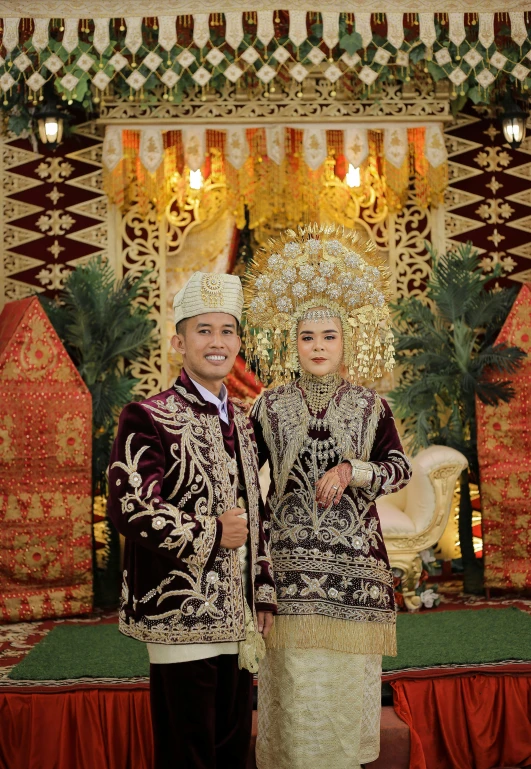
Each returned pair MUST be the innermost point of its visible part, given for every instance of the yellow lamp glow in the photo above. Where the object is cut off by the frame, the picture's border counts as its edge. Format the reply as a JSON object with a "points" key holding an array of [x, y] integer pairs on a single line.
{"points": [[353, 177], [514, 129], [50, 130], [196, 179]]}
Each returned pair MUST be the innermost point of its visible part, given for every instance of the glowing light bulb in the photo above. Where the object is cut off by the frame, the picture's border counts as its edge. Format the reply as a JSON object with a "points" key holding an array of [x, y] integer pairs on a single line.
{"points": [[196, 179], [51, 127], [353, 177]]}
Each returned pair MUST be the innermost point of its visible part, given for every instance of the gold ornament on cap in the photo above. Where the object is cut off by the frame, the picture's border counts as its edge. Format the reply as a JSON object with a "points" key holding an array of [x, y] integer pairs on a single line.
{"points": [[317, 273], [209, 292], [212, 290]]}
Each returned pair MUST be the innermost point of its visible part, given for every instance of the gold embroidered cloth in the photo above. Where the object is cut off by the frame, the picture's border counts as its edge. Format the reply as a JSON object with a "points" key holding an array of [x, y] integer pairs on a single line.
{"points": [[318, 709], [169, 480], [504, 450], [333, 576], [45, 472]]}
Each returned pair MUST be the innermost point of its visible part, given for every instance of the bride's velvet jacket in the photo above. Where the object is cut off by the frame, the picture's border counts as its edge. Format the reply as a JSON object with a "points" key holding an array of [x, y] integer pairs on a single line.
{"points": [[169, 480], [330, 564]]}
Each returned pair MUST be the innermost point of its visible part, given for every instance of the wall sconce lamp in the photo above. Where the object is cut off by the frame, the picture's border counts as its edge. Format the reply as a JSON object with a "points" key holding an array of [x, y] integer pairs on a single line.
{"points": [[51, 120], [513, 120], [50, 129]]}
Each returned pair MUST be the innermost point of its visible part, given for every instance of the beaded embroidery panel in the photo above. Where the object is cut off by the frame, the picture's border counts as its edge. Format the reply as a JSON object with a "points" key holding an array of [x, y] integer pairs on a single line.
{"points": [[189, 602], [327, 561]]}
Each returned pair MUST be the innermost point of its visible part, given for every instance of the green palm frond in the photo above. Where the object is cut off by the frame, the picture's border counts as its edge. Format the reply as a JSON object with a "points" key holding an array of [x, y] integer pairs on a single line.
{"points": [[499, 357], [492, 393], [455, 283], [489, 308], [105, 325], [446, 354]]}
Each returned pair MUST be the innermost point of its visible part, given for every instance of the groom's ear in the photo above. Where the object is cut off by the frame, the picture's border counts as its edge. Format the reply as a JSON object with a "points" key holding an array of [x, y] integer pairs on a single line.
{"points": [[178, 342]]}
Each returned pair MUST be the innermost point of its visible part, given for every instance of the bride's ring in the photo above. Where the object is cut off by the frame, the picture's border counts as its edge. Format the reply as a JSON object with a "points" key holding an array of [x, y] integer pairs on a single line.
{"points": [[335, 488]]}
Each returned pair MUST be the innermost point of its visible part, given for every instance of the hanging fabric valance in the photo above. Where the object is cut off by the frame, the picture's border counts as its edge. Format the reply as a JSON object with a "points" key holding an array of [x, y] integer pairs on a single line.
{"points": [[167, 55], [277, 167]]}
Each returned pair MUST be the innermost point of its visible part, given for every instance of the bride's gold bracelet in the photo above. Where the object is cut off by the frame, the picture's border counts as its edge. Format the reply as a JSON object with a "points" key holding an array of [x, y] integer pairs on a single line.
{"points": [[361, 474]]}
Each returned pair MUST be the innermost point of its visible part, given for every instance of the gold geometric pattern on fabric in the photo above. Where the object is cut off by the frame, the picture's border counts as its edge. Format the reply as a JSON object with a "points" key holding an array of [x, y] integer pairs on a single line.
{"points": [[504, 448], [311, 709], [45, 472]]}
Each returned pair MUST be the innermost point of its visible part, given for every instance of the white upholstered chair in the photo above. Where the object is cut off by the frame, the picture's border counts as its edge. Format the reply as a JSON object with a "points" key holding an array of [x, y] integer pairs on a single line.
{"points": [[414, 518]]}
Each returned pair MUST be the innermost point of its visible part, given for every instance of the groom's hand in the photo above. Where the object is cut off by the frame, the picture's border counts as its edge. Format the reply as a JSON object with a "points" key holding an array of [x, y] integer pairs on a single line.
{"points": [[265, 622], [235, 529]]}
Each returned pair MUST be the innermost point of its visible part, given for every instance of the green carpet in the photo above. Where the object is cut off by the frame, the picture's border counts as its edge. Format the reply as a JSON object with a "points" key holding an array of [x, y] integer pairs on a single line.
{"points": [[83, 651], [424, 640], [468, 636]]}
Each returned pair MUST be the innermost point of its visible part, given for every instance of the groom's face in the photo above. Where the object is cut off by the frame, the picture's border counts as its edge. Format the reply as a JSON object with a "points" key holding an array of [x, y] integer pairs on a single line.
{"points": [[209, 345]]}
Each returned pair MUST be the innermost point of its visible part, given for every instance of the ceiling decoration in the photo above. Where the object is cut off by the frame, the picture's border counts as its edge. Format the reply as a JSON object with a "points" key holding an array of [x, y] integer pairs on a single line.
{"points": [[170, 58]]}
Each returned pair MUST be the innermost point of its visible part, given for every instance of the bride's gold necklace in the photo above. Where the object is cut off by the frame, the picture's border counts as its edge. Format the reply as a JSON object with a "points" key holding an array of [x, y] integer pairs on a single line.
{"points": [[319, 390]]}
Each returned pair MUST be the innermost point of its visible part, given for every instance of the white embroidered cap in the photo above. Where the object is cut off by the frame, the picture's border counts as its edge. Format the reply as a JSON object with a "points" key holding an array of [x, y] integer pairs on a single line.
{"points": [[209, 292]]}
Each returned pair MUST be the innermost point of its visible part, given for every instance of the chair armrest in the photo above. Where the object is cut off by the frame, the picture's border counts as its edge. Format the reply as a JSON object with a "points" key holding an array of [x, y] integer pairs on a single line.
{"points": [[430, 491]]}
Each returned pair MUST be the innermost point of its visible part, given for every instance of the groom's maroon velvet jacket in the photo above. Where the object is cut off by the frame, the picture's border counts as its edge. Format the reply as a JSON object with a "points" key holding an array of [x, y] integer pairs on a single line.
{"points": [[169, 480]]}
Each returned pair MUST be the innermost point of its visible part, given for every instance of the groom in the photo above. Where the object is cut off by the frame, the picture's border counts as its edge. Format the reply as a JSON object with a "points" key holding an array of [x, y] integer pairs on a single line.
{"points": [[184, 491]]}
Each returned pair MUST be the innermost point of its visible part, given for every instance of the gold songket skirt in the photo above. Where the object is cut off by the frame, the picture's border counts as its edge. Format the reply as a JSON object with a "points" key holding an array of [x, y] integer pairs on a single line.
{"points": [[318, 708]]}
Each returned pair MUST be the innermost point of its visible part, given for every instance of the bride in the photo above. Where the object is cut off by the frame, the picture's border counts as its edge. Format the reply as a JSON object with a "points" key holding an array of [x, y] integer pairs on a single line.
{"points": [[316, 307]]}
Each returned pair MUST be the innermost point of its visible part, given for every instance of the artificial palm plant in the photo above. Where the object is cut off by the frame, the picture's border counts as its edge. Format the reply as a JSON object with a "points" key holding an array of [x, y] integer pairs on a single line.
{"points": [[104, 328], [446, 351]]}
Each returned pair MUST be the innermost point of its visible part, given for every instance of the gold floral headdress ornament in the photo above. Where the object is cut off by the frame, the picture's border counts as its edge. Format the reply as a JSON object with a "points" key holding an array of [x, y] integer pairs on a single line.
{"points": [[327, 268]]}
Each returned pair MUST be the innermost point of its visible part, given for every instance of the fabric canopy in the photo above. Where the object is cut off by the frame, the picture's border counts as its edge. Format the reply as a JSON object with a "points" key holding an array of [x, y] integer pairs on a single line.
{"points": [[100, 8], [396, 24], [170, 56]]}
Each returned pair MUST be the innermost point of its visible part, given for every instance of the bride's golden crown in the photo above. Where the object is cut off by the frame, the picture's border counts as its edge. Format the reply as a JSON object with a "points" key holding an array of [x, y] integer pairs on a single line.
{"points": [[335, 271]]}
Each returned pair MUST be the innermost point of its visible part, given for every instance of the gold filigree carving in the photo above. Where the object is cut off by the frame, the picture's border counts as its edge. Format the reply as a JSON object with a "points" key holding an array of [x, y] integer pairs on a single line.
{"points": [[140, 242], [322, 100]]}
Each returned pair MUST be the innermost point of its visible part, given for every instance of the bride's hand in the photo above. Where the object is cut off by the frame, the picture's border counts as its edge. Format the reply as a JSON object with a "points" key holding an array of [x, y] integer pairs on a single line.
{"points": [[245, 406], [331, 486]]}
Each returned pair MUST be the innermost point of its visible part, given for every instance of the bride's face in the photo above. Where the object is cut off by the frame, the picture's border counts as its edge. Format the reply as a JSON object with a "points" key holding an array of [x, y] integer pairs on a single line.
{"points": [[320, 346]]}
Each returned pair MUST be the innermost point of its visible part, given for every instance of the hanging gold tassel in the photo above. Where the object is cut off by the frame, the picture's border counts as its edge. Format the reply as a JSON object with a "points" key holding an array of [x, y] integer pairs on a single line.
{"points": [[314, 631]]}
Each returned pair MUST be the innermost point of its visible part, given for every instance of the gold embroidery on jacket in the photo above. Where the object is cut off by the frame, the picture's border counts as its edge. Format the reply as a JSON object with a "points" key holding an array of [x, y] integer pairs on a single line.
{"points": [[212, 608], [250, 473], [326, 561], [183, 524]]}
